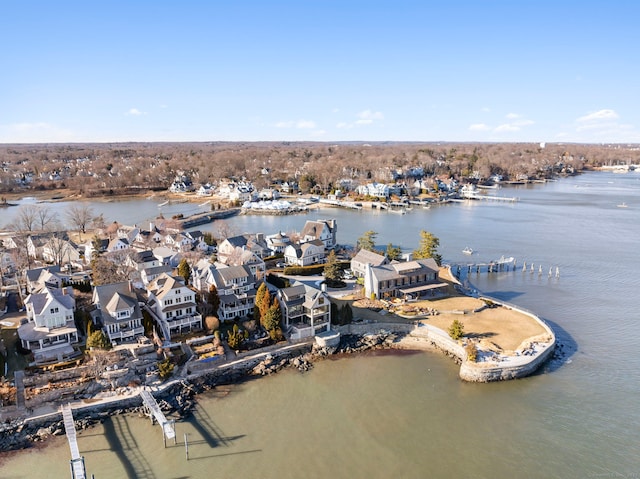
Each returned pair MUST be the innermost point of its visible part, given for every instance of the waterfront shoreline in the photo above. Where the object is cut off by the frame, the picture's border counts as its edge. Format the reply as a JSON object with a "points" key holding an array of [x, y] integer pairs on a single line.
{"points": [[178, 396]]}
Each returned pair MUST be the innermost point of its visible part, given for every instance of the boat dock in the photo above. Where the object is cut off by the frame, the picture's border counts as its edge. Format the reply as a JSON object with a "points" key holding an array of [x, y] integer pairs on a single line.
{"points": [[477, 196], [341, 204], [154, 412], [78, 470]]}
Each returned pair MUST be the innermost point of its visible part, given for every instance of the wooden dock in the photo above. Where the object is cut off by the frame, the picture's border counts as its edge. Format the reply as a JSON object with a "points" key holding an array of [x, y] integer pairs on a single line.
{"points": [[154, 412], [77, 461]]}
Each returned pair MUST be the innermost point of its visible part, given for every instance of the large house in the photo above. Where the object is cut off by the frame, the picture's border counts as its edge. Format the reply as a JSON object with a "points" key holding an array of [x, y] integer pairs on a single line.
{"points": [[254, 243], [379, 190], [38, 278], [365, 257], [408, 280], [305, 254], [236, 287], [174, 304], [306, 311], [323, 230], [117, 311], [50, 332]]}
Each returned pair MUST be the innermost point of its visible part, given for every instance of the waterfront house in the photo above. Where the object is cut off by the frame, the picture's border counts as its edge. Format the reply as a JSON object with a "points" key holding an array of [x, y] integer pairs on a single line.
{"points": [[323, 230], [236, 287], [365, 257], [406, 280], [117, 311], [205, 190], [306, 311], [173, 304], [305, 254], [379, 190], [50, 332]]}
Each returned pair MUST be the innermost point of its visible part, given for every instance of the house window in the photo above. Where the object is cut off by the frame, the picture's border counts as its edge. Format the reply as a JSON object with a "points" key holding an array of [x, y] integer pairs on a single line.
{"points": [[169, 314], [54, 310], [168, 302], [178, 300], [178, 313], [189, 310]]}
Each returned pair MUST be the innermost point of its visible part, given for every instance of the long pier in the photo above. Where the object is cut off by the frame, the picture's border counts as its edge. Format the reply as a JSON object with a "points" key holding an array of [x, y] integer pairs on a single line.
{"points": [[153, 410], [342, 204], [78, 470]]}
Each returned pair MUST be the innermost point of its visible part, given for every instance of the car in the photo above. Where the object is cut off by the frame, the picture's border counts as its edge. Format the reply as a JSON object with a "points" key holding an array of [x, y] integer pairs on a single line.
{"points": [[280, 265]]}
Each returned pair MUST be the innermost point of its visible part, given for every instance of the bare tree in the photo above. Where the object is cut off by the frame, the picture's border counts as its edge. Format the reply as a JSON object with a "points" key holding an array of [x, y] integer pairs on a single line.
{"points": [[46, 217], [80, 216], [26, 219]]}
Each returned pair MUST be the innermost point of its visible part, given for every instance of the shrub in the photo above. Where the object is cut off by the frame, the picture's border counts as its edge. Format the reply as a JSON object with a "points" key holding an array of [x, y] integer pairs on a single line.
{"points": [[456, 330], [98, 340], [165, 369], [472, 351]]}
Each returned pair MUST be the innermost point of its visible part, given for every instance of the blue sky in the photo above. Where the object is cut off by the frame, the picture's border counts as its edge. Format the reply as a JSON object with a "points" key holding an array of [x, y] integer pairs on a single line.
{"points": [[534, 71]]}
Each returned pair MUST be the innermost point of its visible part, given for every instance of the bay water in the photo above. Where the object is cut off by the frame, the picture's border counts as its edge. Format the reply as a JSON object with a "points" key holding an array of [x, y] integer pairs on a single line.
{"points": [[408, 415]]}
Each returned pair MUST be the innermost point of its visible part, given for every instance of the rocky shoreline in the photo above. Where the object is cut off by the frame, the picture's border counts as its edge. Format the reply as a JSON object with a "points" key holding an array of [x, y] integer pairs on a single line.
{"points": [[178, 398]]}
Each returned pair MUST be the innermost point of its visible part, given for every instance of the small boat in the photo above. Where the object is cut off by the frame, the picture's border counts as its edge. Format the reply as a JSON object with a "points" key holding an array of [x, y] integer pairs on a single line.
{"points": [[622, 205], [162, 204], [467, 250]]}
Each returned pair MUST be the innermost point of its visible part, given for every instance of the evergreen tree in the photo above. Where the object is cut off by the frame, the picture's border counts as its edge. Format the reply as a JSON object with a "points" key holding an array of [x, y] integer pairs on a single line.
{"points": [[456, 330], [367, 241], [98, 340], [393, 252], [262, 302], [332, 271], [214, 299], [184, 270], [272, 318], [428, 247]]}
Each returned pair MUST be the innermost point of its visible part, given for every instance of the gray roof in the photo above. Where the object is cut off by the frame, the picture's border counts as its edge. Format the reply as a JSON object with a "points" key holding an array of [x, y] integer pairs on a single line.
{"points": [[369, 257]]}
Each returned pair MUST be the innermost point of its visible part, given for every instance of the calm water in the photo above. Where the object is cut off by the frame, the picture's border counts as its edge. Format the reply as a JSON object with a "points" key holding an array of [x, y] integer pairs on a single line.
{"points": [[410, 416]]}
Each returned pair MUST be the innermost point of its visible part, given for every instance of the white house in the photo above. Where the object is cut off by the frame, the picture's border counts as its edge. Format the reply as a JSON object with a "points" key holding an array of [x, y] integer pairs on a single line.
{"points": [[379, 190], [117, 312], [277, 242], [305, 254], [174, 304], [323, 230], [409, 279], [363, 258], [236, 287], [306, 311], [255, 243], [50, 332]]}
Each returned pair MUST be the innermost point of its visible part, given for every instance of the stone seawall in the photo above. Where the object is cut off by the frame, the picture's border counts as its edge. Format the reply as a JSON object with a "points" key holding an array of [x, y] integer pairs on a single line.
{"points": [[424, 336]]}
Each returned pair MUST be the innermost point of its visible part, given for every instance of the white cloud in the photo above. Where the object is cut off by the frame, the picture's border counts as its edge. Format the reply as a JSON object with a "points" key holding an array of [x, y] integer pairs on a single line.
{"points": [[364, 121], [344, 125], [486, 109], [370, 115], [318, 133], [135, 112], [506, 127], [512, 116], [599, 115], [479, 127], [305, 124]]}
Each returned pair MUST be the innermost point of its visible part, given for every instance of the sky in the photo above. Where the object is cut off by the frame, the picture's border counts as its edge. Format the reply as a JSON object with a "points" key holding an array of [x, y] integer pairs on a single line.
{"points": [[320, 70]]}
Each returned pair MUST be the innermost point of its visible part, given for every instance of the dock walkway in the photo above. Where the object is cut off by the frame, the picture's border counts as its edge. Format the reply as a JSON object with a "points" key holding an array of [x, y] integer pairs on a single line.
{"points": [[77, 461]]}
